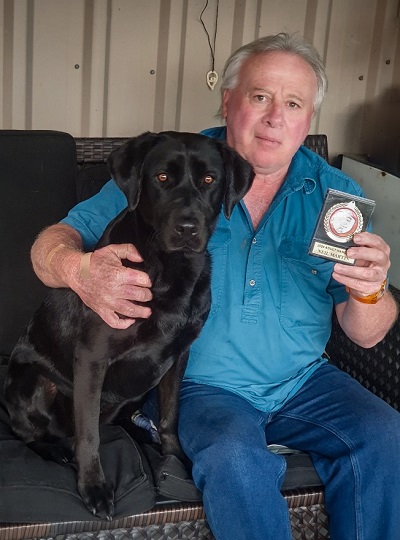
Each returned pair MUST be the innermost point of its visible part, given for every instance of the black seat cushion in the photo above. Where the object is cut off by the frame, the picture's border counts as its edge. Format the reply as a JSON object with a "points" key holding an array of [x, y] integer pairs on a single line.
{"points": [[33, 489], [38, 187]]}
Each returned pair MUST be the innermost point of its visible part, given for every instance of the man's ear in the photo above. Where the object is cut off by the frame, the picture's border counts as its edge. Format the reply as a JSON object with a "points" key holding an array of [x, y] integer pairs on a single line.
{"points": [[239, 175], [125, 164], [224, 103]]}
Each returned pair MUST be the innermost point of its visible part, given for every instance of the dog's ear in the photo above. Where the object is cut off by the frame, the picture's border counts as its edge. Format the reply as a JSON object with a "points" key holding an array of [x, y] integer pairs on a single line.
{"points": [[125, 165], [239, 175]]}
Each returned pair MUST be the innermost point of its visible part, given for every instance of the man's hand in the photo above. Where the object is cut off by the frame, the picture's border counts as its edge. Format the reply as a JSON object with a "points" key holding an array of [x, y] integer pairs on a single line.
{"points": [[105, 285], [366, 324], [372, 256], [112, 290]]}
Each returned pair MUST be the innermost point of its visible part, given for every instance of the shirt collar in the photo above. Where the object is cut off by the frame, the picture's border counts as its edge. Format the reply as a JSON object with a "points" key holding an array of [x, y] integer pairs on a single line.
{"points": [[296, 178]]}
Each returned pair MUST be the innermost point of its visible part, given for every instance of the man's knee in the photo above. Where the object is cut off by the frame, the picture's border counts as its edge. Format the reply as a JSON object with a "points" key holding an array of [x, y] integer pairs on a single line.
{"points": [[380, 437], [235, 462]]}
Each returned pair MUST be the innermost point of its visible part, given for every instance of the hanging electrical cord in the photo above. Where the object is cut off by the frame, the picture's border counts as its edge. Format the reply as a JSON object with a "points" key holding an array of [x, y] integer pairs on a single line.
{"points": [[212, 75]]}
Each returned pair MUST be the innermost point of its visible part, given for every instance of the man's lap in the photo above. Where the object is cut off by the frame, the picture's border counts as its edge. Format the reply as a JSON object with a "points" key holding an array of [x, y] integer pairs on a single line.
{"points": [[330, 405], [336, 406], [352, 436]]}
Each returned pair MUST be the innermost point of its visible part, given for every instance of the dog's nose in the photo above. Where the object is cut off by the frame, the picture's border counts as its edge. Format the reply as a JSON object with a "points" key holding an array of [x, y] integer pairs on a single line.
{"points": [[186, 229]]}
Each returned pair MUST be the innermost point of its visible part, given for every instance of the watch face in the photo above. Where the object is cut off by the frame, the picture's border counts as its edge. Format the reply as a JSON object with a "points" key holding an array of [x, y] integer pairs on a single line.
{"points": [[342, 221]]}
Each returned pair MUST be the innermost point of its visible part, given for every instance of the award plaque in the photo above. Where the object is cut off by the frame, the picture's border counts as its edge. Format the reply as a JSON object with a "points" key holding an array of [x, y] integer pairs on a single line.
{"points": [[341, 217]]}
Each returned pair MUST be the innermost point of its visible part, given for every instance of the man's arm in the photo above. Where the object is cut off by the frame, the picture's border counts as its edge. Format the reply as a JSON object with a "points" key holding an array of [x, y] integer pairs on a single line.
{"points": [[366, 324], [100, 279]]}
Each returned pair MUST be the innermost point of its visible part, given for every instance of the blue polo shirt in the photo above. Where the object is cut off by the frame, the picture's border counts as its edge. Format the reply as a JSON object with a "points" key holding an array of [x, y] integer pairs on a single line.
{"points": [[272, 303]]}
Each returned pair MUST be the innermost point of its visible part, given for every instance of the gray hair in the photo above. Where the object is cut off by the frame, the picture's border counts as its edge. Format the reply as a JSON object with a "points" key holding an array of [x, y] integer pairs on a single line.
{"points": [[279, 42]]}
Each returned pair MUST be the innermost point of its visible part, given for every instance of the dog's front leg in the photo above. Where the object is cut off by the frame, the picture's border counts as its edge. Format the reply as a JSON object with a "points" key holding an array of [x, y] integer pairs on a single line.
{"points": [[168, 404], [89, 373]]}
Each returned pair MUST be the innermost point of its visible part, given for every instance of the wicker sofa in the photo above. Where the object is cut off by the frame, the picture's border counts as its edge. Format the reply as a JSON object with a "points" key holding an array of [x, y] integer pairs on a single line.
{"points": [[377, 368]]}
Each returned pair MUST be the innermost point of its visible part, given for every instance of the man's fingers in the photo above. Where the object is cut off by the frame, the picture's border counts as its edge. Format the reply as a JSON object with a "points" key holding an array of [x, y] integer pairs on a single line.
{"points": [[118, 294], [137, 294], [130, 275], [126, 315], [126, 251], [131, 310], [113, 320], [138, 278]]}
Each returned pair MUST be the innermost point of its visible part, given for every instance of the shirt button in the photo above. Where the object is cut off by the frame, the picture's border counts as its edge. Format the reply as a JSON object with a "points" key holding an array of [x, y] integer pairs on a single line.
{"points": [[254, 241], [252, 283]]}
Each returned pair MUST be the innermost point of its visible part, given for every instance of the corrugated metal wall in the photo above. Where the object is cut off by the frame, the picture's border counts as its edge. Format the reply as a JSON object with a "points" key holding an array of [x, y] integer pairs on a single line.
{"points": [[119, 67]]}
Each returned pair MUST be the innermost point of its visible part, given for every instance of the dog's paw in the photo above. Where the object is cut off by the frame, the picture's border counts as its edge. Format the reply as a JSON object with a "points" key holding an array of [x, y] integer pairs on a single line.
{"points": [[99, 499]]}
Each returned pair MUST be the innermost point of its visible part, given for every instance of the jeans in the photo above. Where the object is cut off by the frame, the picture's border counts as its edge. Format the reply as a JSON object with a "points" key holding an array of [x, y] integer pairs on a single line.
{"points": [[352, 436]]}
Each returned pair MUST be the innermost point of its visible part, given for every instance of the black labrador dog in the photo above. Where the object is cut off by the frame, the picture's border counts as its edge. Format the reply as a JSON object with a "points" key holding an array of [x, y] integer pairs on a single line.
{"points": [[70, 370]]}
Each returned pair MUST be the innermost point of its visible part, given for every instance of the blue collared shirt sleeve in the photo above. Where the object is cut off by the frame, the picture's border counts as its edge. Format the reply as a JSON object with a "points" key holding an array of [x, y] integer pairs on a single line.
{"points": [[91, 217]]}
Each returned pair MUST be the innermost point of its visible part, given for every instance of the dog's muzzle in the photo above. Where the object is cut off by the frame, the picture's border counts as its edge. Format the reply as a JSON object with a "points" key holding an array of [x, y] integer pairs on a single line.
{"points": [[186, 234]]}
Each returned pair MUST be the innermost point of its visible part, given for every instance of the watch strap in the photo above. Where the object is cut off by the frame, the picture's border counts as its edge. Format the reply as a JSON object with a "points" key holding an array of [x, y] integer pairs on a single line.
{"points": [[371, 298]]}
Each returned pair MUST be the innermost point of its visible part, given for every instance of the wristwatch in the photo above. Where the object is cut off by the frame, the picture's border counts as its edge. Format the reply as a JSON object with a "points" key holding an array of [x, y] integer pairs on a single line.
{"points": [[371, 298]]}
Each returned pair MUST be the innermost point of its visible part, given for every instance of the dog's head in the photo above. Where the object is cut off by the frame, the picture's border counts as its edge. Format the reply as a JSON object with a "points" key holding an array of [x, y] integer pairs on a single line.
{"points": [[178, 182]]}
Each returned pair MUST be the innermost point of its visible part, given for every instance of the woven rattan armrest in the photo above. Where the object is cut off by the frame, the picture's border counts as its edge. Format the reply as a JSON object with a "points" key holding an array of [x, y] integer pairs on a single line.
{"points": [[377, 368]]}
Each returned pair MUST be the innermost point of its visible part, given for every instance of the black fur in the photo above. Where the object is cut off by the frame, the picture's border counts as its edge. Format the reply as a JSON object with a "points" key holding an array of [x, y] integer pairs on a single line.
{"points": [[71, 369]]}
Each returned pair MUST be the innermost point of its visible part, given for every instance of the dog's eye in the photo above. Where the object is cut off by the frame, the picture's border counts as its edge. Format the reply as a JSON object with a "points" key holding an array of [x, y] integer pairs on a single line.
{"points": [[208, 179], [162, 177]]}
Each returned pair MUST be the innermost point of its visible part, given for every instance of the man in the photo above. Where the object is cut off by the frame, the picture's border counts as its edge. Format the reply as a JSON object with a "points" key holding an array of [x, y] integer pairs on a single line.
{"points": [[255, 375]]}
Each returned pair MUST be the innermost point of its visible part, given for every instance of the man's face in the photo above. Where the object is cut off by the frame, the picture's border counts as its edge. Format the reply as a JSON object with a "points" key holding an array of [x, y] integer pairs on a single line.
{"points": [[268, 115]]}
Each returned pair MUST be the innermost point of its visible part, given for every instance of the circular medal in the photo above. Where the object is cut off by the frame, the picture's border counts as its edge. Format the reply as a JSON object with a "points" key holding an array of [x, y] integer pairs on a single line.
{"points": [[342, 221]]}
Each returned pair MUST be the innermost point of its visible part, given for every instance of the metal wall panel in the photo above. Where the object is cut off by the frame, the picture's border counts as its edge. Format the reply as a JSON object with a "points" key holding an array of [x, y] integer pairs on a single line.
{"points": [[119, 67], [384, 189]]}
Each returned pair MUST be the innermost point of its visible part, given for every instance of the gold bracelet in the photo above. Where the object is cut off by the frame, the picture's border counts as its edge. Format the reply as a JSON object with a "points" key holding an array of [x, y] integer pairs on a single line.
{"points": [[51, 254], [371, 298], [84, 271]]}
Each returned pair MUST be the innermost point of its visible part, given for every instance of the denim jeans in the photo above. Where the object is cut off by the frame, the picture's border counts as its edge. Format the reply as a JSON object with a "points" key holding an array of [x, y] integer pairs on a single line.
{"points": [[353, 438]]}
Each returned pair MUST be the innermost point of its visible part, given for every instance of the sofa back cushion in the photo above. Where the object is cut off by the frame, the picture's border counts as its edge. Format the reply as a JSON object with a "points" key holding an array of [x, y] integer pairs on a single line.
{"points": [[37, 188]]}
